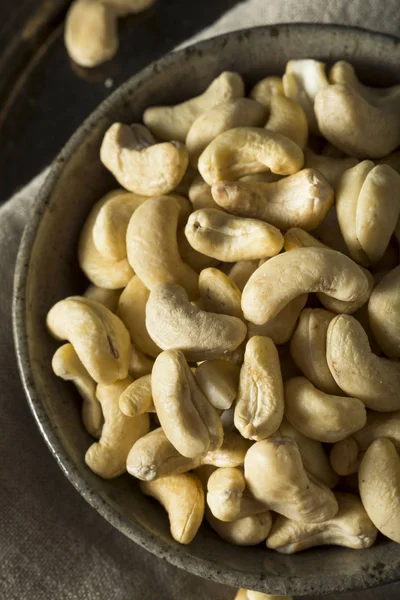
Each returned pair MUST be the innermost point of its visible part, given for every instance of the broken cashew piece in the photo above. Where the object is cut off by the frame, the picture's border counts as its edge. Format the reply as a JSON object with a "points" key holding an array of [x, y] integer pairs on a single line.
{"points": [[288, 118], [227, 497], [219, 381], [219, 293], [280, 328], [108, 298], [137, 398], [139, 163], [99, 337], [384, 313], [330, 167], [266, 89]]}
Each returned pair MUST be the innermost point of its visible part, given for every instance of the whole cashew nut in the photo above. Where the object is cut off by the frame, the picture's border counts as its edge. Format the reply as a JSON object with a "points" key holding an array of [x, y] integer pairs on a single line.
{"points": [[227, 497], [280, 328], [137, 398], [384, 313], [288, 118], [219, 381], [219, 293], [330, 167], [109, 298], [266, 89]]}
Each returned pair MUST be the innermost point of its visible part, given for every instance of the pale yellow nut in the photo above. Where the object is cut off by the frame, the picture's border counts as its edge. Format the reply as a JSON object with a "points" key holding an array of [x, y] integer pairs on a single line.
{"points": [[182, 496], [241, 272], [251, 595], [137, 398], [300, 271], [229, 238], [266, 89], [99, 337], [219, 381], [308, 348], [330, 167], [345, 457], [384, 313], [109, 298], [196, 260], [280, 329], [174, 122], [232, 452], [127, 7], [249, 531], [300, 200], [66, 364], [392, 160], [322, 417], [351, 527], [228, 498], [132, 312], [379, 481], [239, 112], [288, 118], [276, 476], [354, 125], [301, 82], [139, 163], [91, 36], [200, 194], [359, 372], [107, 457], [101, 271], [153, 248], [246, 150], [139, 364], [219, 293]]}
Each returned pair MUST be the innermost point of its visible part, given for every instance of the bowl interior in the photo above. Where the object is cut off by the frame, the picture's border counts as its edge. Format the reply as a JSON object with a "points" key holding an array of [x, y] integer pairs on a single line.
{"points": [[47, 270]]}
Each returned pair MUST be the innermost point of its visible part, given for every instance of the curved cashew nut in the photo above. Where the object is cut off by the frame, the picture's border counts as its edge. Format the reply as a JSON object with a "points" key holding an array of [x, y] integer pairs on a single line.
{"points": [[241, 272], [379, 481], [174, 323], [98, 336], [137, 398], [107, 457], [358, 372], [276, 476], [200, 194], [219, 293], [332, 168], [245, 150], [259, 404], [249, 531], [319, 416], [66, 364], [280, 328], [182, 496], [228, 238], [227, 497], [239, 112], [219, 381], [266, 89], [106, 297], [384, 313], [300, 271], [139, 163], [300, 200], [153, 248], [288, 118], [139, 364], [174, 122], [351, 527]]}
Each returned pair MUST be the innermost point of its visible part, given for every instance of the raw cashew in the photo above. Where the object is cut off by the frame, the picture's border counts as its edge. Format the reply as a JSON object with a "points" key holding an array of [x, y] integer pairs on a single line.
{"points": [[276, 476], [227, 497], [200, 194], [351, 527], [99, 338], [260, 404], [153, 248], [107, 457], [301, 82], [182, 496], [280, 328], [358, 372], [174, 122], [228, 238], [288, 118], [302, 270], [266, 89], [245, 150], [308, 348], [219, 381], [241, 272], [196, 260], [66, 364], [91, 36], [239, 112], [384, 313], [132, 312], [368, 207], [108, 298], [139, 163], [249, 531], [322, 417], [354, 125], [379, 481], [250, 595], [189, 421], [101, 271], [139, 364], [219, 293], [331, 167], [232, 452], [137, 398], [174, 323], [301, 200]]}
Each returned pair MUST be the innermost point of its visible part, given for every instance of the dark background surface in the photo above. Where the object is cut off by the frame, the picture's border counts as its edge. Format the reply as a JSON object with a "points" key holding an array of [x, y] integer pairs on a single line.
{"points": [[44, 96]]}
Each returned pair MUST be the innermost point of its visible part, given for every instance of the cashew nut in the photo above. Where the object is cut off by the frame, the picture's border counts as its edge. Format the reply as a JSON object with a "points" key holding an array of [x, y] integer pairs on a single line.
{"points": [[319, 416], [174, 122], [228, 238], [219, 381], [99, 338], [66, 364], [182, 496], [241, 272], [139, 364], [232, 452], [351, 527], [260, 404], [250, 595], [276, 476], [288, 118], [245, 150], [219, 293], [137, 398], [200, 194], [107, 457], [174, 323], [332, 168], [266, 89], [384, 313], [249, 531], [106, 297], [227, 497], [139, 163], [280, 328], [358, 372]]}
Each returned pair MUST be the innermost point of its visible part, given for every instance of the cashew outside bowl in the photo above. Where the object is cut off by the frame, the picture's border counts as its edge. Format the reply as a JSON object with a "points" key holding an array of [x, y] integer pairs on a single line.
{"points": [[227, 497], [288, 118], [219, 293], [384, 313], [219, 381], [266, 89]]}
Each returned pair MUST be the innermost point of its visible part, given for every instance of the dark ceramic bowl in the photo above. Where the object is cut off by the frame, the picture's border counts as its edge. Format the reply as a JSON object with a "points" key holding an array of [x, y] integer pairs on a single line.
{"points": [[47, 271]]}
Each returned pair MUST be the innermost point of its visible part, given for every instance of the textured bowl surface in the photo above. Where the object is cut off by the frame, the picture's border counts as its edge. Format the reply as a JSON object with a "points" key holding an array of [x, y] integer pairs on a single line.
{"points": [[47, 271]]}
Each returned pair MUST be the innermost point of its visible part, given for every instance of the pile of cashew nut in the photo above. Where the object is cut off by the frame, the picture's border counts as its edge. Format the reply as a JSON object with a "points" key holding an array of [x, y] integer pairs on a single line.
{"points": [[237, 350]]}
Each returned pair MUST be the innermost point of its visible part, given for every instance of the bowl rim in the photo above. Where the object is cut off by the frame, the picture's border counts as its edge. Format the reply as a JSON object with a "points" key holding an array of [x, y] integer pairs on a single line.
{"points": [[176, 556]]}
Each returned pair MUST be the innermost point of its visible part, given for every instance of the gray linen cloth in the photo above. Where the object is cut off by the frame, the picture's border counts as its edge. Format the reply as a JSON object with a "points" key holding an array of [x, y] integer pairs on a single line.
{"points": [[53, 545]]}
